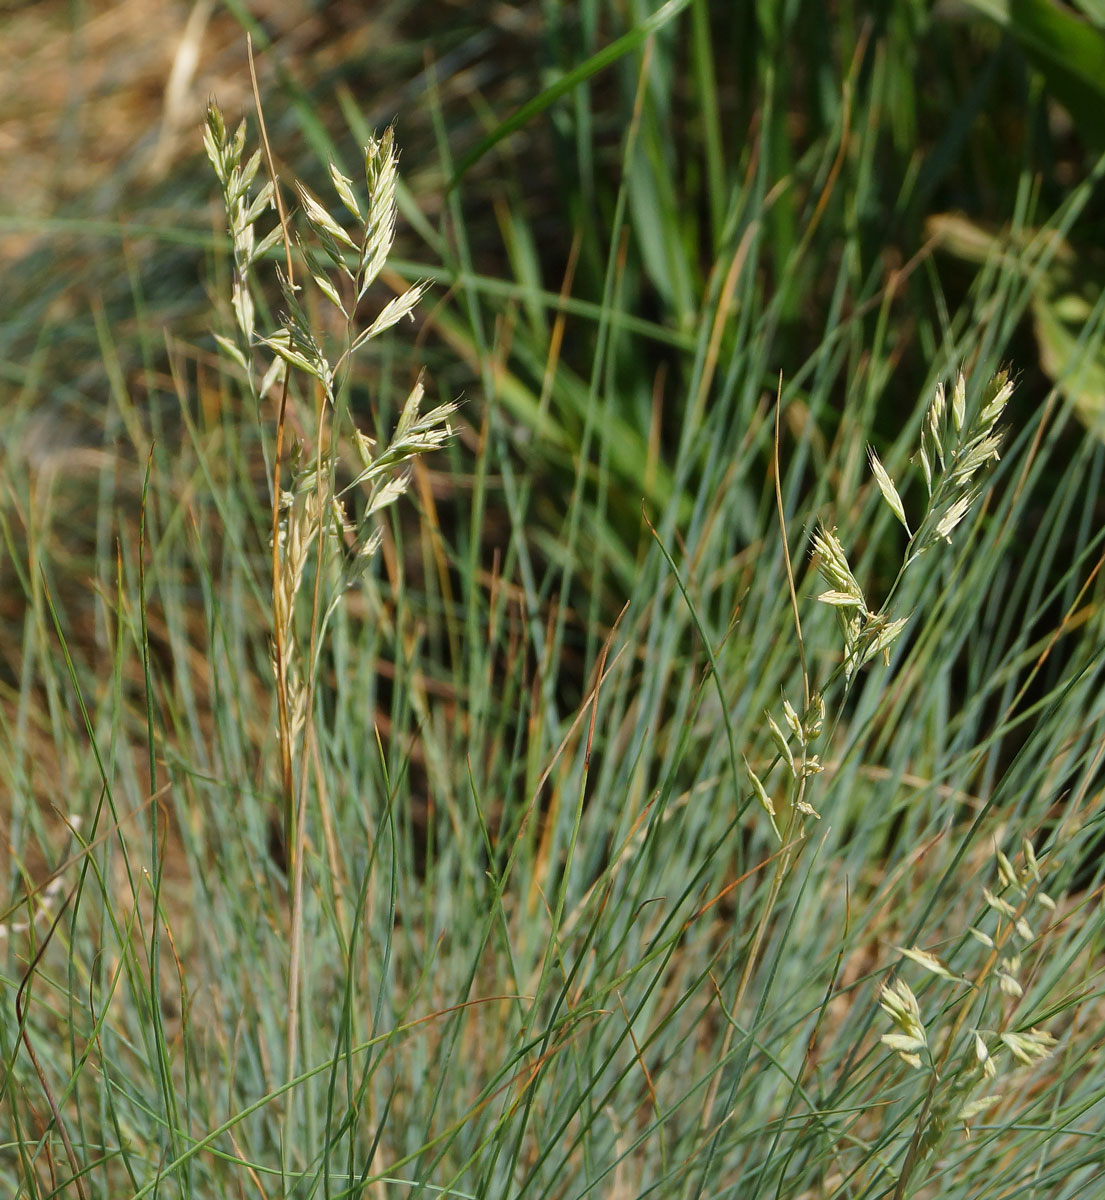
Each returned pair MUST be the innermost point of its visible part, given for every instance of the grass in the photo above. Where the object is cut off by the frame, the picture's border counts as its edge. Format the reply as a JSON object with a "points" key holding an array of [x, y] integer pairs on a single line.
{"points": [[690, 785]]}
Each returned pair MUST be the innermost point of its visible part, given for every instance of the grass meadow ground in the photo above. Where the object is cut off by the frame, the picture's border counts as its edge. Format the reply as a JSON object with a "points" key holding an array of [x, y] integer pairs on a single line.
{"points": [[602, 697]]}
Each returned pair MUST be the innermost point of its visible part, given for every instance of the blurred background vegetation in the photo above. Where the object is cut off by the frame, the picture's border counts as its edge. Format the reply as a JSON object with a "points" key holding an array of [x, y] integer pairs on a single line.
{"points": [[647, 205], [854, 164]]}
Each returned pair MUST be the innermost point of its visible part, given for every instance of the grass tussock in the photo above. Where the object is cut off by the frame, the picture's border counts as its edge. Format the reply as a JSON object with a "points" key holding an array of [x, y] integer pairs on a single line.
{"points": [[652, 776]]}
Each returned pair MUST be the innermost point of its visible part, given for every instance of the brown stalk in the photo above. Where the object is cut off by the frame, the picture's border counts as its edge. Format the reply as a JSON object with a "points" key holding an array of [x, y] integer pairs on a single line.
{"points": [[292, 820], [279, 648]]}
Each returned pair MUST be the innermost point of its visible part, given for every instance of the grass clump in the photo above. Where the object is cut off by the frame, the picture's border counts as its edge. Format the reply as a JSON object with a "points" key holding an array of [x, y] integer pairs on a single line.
{"points": [[520, 846]]}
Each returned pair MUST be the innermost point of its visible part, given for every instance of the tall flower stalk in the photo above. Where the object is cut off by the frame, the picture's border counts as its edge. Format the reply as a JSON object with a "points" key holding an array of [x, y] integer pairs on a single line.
{"points": [[310, 518]]}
